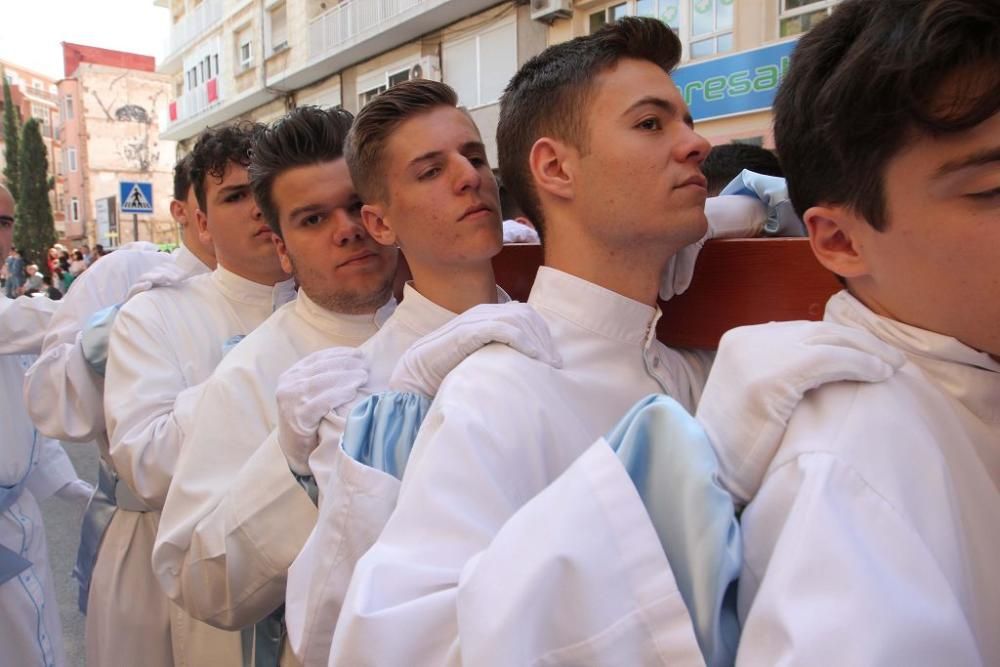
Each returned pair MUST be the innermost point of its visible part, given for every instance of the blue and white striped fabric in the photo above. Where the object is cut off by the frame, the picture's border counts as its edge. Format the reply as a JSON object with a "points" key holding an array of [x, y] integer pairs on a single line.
{"points": [[673, 466]]}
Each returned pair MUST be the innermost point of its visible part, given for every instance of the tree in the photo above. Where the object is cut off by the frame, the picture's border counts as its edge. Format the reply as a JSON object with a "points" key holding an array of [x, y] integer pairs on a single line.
{"points": [[11, 131], [35, 231]]}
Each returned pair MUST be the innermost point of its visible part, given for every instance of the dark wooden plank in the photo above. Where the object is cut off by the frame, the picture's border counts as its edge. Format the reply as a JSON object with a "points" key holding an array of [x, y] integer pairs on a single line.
{"points": [[736, 282]]}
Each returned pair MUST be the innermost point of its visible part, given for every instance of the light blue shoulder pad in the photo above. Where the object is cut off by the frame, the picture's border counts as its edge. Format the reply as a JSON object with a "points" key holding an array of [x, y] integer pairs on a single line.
{"points": [[381, 430], [671, 461]]}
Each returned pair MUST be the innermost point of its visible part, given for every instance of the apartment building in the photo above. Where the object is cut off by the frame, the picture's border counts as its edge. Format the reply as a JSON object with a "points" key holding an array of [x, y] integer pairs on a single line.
{"points": [[36, 96], [255, 59], [112, 102]]}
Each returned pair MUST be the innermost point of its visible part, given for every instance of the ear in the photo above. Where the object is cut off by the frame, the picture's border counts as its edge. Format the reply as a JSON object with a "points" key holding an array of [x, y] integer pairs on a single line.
{"points": [[178, 211], [201, 220], [283, 256], [373, 218], [836, 236], [552, 167]]}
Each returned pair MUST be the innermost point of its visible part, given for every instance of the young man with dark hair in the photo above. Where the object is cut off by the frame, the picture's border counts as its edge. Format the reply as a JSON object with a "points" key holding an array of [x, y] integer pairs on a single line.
{"points": [[726, 161], [163, 345], [420, 166], [236, 515], [597, 146], [870, 514], [888, 126], [183, 209]]}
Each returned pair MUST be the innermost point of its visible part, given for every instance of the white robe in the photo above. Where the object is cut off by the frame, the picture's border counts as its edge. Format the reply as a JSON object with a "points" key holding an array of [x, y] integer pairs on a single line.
{"points": [[501, 429], [164, 344], [352, 510], [64, 396], [891, 485], [23, 322], [30, 632], [235, 515], [894, 488]]}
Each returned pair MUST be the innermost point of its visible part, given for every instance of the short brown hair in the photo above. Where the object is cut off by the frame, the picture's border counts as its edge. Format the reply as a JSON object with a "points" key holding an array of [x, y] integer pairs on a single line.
{"points": [[863, 80], [549, 94], [365, 149], [305, 136]]}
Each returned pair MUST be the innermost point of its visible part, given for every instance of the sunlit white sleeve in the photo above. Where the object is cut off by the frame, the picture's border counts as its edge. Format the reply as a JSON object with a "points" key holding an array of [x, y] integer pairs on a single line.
{"points": [[147, 401], [64, 396], [576, 577], [23, 322]]}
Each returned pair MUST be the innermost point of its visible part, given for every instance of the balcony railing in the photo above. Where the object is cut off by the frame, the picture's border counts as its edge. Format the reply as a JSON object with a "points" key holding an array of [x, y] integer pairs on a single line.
{"points": [[193, 25], [353, 19], [194, 102]]}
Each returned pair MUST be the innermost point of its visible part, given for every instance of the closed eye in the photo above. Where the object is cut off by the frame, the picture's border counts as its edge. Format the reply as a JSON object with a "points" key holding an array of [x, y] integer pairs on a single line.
{"points": [[235, 196], [429, 174], [986, 194]]}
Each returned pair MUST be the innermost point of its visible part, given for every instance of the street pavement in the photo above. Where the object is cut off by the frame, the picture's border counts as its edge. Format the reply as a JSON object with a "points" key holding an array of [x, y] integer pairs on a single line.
{"points": [[62, 529]]}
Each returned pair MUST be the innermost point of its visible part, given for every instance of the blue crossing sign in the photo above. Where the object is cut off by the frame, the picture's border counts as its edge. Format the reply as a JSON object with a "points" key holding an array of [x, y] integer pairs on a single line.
{"points": [[136, 196]]}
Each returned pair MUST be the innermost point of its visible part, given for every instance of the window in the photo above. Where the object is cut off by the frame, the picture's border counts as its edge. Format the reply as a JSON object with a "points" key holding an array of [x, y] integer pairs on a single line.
{"points": [[377, 83], [278, 28], [74, 209], [711, 27], [798, 16], [71, 158], [246, 55], [369, 95], [705, 27], [480, 66], [69, 107]]}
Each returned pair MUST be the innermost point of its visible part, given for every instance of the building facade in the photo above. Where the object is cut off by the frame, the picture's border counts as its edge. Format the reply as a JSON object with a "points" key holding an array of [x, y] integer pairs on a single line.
{"points": [[36, 96], [112, 102], [255, 59]]}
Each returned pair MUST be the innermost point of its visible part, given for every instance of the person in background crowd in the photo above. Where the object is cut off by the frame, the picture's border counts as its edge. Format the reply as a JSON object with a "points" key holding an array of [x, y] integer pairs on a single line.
{"points": [[726, 161], [78, 265], [15, 270]]}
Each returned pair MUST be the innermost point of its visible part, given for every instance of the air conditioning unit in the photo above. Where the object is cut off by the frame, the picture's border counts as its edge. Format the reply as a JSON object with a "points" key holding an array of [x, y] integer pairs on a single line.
{"points": [[428, 67], [548, 11]]}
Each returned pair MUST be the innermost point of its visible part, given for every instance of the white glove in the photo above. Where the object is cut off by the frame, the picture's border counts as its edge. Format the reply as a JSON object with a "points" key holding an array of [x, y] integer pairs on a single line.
{"points": [[515, 232], [424, 366], [166, 274], [309, 390], [782, 220], [729, 217], [760, 375]]}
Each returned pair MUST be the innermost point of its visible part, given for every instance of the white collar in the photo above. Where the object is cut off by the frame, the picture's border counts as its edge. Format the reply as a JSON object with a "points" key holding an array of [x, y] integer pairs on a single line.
{"points": [[188, 262], [342, 325], [970, 376], [593, 307], [246, 291], [423, 315]]}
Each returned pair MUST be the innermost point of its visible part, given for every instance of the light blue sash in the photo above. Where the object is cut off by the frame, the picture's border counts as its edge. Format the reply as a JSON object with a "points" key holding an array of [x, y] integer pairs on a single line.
{"points": [[110, 495], [11, 562], [674, 468], [94, 340], [381, 430]]}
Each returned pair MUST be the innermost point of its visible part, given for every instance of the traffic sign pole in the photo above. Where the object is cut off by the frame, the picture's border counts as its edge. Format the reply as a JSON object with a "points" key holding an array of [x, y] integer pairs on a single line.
{"points": [[135, 226]]}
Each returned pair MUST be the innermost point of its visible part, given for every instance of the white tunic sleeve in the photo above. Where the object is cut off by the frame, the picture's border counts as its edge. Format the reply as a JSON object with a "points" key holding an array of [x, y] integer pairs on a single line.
{"points": [[147, 401], [834, 574], [53, 471], [234, 571], [462, 482], [64, 396], [23, 322], [576, 577]]}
